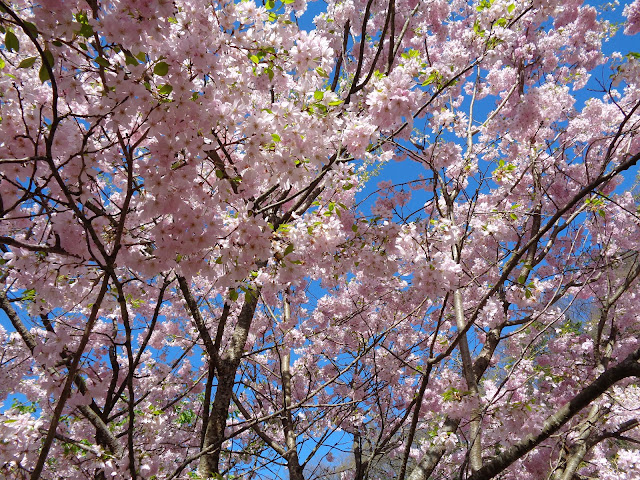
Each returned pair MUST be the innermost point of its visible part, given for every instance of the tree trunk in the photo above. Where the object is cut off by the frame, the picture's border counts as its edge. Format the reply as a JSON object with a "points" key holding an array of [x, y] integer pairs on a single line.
{"points": [[209, 465]]}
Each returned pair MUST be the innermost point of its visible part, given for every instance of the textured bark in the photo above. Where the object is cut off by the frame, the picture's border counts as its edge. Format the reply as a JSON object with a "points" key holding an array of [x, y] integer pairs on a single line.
{"points": [[71, 375], [197, 317], [293, 462], [475, 448], [414, 422], [361, 464], [627, 368], [214, 437], [430, 460], [25, 334], [91, 412]]}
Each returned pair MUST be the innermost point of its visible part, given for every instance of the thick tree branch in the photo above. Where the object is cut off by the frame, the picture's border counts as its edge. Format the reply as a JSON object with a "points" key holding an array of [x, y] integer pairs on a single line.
{"points": [[90, 412], [66, 390], [627, 368]]}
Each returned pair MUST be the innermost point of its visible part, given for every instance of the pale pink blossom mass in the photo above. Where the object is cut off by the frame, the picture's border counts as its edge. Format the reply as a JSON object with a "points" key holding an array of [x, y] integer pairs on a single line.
{"points": [[363, 240]]}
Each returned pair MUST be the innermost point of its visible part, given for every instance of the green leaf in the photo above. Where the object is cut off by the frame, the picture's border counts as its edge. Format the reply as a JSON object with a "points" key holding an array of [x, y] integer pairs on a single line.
{"points": [[43, 74], [81, 17], [172, 20], [511, 8], [318, 95], [451, 394], [233, 295], [137, 303], [348, 186], [270, 5], [433, 77], [48, 57], [103, 62], [23, 407], [31, 29], [142, 57], [165, 89], [354, 227], [161, 69], [335, 103], [270, 73], [27, 62], [85, 31], [129, 60], [11, 42], [2, 64], [29, 295], [412, 53], [276, 137], [254, 59], [288, 250]]}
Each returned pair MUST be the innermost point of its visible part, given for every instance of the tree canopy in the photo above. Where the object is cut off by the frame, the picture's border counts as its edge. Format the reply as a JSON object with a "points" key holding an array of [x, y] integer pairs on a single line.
{"points": [[397, 242]]}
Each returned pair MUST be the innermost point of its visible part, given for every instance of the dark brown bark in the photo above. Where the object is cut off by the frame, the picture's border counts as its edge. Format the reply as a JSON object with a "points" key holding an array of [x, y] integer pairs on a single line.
{"points": [[66, 390], [228, 365], [293, 462], [92, 412], [627, 368]]}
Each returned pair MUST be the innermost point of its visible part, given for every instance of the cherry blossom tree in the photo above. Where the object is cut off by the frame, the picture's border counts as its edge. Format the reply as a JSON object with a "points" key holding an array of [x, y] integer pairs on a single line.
{"points": [[199, 280]]}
